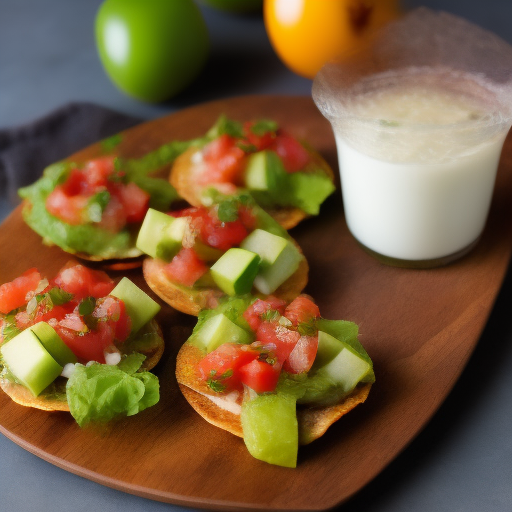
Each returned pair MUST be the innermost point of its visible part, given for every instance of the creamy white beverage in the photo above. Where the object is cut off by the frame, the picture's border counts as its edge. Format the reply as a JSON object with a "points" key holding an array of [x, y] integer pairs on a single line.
{"points": [[418, 163]]}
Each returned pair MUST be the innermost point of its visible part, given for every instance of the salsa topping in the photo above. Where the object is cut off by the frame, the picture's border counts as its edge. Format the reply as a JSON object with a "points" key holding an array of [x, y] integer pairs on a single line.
{"points": [[98, 193], [225, 157], [76, 303], [279, 346], [209, 233]]}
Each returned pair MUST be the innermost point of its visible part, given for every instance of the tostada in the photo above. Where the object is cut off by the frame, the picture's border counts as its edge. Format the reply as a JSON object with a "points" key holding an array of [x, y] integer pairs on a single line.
{"points": [[272, 372], [231, 247], [287, 177], [79, 343]]}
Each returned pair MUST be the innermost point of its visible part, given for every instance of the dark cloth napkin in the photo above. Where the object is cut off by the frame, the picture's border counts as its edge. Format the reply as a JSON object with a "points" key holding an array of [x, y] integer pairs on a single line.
{"points": [[26, 150]]}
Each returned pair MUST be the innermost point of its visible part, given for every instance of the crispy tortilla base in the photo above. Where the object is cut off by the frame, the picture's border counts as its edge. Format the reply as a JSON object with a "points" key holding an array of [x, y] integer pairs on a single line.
{"points": [[185, 177], [48, 401], [313, 421], [191, 300]]}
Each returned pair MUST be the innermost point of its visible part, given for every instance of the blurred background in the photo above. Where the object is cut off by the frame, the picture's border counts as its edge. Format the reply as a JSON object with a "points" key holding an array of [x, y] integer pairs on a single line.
{"points": [[50, 57]]}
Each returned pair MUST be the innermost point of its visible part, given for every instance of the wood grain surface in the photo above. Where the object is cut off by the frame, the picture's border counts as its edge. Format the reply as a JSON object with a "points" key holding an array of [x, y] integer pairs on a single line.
{"points": [[419, 326]]}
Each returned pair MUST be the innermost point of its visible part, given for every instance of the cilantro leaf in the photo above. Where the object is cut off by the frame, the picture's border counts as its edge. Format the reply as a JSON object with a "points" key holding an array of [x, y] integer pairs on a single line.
{"points": [[227, 210], [264, 126]]}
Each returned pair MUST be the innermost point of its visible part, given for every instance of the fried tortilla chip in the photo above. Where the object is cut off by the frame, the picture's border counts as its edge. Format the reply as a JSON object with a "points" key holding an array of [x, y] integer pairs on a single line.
{"points": [[313, 420], [192, 300], [185, 176], [148, 341]]}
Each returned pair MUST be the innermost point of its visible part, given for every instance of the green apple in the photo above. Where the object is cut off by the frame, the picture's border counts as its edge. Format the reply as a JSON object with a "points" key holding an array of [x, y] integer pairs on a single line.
{"points": [[151, 49]]}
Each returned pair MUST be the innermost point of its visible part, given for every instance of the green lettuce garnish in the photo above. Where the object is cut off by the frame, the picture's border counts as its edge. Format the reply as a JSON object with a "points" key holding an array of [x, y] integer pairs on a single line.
{"points": [[100, 392]]}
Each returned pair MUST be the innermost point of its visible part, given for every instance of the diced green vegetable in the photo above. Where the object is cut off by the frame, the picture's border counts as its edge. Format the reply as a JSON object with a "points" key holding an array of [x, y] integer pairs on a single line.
{"points": [[235, 270], [29, 362], [270, 428], [53, 343], [217, 330], [280, 259], [141, 308]]}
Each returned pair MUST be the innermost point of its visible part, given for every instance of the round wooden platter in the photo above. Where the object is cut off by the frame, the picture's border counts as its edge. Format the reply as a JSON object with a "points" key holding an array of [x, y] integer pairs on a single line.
{"points": [[419, 326]]}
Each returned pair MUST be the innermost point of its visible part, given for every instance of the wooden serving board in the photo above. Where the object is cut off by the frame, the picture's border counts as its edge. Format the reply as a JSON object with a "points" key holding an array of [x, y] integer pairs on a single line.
{"points": [[419, 326]]}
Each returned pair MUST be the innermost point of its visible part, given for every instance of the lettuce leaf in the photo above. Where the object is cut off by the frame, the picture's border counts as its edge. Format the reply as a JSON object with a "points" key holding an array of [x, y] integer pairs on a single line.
{"points": [[100, 392]]}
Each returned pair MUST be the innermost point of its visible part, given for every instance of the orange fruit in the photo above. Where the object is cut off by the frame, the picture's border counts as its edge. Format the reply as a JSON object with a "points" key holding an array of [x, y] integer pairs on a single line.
{"points": [[306, 34]]}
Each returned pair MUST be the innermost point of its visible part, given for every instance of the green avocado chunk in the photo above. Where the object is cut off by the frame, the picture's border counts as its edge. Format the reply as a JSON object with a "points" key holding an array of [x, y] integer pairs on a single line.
{"points": [[270, 428]]}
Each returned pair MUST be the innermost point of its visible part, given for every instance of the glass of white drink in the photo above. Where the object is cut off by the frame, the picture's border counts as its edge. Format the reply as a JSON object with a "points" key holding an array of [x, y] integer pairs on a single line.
{"points": [[419, 121]]}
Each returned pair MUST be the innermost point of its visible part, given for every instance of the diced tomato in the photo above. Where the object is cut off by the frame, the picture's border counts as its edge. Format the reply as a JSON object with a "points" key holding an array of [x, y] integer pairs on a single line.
{"points": [[213, 232], [260, 375], [69, 208], [302, 310], [224, 161], [111, 309], [108, 324], [293, 155], [223, 235], [98, 171], [247, 217], [221, 366], [254, 313], [84, 282], [186, 267], [113, 217], [260, 142], [91, 345], [57, 312], [134, 200], [75, 184], [13, 294], [74, 322], [302, 356], [281, 339], [69, 201]]}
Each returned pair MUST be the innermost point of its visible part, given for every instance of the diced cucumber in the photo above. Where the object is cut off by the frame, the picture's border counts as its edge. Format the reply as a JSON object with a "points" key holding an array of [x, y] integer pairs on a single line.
{"points": [[206, 253], [270, 428], [141, 308], [347, 369], [217, 330], [172, 238], [152, 231], [328, 348], [53, 343], [235, 270], [29, 362], [160, 235], [263, 171], [279, 259]]}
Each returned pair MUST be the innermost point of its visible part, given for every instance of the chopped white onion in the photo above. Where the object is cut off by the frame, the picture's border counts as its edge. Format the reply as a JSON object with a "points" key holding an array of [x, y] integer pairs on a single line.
{"points": [[112, 358], [284, 321], [68, 370], [197, 157]]}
